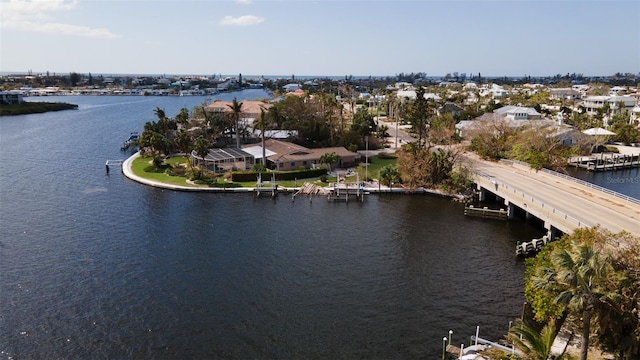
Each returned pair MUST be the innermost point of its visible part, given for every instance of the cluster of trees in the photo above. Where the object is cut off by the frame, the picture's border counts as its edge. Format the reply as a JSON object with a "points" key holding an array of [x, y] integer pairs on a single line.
{"points": [[433, 160], [539, 147], [321, 121], [590, 280]]}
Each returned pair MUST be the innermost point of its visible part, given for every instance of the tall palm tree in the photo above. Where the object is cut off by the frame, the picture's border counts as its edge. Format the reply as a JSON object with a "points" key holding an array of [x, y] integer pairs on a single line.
{"points": [[534, 345], [236, 107], [159, 113], [579, 274], [262, 124]]}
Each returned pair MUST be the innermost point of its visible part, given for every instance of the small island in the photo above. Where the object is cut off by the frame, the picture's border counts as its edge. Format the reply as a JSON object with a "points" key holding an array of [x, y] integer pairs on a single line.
{"points": [[34, 107]]}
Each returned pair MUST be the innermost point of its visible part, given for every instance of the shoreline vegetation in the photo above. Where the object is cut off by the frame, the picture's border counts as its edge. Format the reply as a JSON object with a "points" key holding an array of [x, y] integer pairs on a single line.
{"points": [[34, 108], [166, 176]]}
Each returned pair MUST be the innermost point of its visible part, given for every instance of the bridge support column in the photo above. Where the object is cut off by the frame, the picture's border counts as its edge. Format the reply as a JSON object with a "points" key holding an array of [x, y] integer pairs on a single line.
{"points": [[483, 194], [527, 215], [511, 210], [554, 233]]}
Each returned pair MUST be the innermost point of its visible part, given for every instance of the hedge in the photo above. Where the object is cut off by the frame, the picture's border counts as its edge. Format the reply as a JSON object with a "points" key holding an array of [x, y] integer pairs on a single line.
{"points": [[248, 176]]}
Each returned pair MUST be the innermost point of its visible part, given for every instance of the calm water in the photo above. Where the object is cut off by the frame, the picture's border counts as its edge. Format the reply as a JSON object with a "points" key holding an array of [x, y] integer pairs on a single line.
{"points": [[98, 266], [624, 181]]}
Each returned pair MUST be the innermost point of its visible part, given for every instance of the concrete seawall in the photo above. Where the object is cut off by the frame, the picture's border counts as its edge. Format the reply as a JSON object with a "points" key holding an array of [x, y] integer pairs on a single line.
{"points": [[126, 171]]}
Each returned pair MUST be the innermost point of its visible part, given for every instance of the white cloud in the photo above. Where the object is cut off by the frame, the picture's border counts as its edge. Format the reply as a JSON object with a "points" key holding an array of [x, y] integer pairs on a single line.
{"points": [[245, 20], [37, 15], [244, 2]]}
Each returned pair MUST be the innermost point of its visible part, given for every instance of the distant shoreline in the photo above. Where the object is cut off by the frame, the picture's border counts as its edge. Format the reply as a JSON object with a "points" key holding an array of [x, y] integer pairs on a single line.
{"points": [[26, 107]]}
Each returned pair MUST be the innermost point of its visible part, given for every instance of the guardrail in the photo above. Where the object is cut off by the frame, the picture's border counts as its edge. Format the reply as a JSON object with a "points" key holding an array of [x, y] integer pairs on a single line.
{"points": [[578, 181], [533, 200]]}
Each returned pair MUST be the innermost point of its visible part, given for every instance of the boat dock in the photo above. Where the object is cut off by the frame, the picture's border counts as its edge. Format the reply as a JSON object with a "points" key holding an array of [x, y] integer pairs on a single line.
{"points": [[131, 142], [345, 191], [486, 213], [606, 161], [112, 163], [269, 187]]}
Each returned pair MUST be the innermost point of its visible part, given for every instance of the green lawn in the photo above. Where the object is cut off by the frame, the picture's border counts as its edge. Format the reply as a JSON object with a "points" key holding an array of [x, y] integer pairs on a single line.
{"points": [[375, 164], [142, 167]]}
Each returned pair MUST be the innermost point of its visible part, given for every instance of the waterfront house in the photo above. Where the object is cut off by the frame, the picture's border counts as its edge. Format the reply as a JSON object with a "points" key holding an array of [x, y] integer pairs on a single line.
{"points": [[10, 97], [225, 159], [284, 156]]}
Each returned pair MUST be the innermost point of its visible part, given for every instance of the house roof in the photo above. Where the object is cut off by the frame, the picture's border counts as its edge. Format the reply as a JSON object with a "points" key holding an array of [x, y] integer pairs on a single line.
{"points": [[286, 151], [226, 154], [248, 106], [256, 151], [297, 92], [510, 109]]}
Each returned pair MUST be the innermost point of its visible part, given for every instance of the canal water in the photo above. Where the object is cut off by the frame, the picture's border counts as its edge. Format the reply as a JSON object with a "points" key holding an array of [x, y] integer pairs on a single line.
{"points": [[98, 266]]}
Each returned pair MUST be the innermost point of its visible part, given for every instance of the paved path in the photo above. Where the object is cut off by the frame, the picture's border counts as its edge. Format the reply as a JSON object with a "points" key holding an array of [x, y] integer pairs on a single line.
{"points": [[552, 195]]}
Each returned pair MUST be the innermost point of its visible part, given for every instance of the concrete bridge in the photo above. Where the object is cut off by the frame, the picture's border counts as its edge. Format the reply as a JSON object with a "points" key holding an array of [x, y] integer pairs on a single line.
{"points": [[561, 202]]}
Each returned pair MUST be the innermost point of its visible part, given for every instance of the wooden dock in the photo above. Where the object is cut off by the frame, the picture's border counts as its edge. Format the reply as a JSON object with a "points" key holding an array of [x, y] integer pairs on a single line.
{"points": [[345, 191], [606, 162], [485, 212]]}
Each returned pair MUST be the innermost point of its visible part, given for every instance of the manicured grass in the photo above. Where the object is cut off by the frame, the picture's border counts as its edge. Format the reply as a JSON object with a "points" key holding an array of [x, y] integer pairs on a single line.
{"points": [[142, 167], [375, 164]]}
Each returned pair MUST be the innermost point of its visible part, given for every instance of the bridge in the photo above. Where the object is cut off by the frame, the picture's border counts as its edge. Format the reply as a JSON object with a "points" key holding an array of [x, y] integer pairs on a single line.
{"points": [[563, 203]]}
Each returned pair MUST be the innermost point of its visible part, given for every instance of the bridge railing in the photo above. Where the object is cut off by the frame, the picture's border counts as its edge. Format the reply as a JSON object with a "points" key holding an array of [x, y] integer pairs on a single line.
{"points": [[578, 181], [533, 200]]}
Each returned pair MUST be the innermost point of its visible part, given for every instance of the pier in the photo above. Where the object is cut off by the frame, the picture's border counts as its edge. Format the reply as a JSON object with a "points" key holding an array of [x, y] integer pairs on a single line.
{"points": [[486, 213], [605, 162], [269, 187], [112, 163], [345, 191]]}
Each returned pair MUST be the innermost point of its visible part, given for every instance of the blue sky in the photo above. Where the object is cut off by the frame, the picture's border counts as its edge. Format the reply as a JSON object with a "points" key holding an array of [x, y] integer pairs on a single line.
{"points": [[321, 37]]}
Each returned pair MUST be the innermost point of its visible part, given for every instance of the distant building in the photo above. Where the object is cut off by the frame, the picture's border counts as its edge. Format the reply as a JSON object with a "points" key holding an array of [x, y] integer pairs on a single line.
{"points": [[10, 97], [291, 87], [249, 112], [565, 94], [506, 116], [593, 104], [518, 113], [450, 108], [411, 94]]}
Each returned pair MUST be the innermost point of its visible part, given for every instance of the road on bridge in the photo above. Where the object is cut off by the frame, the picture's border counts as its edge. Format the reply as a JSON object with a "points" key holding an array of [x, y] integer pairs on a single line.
{"points": [[590, 206]]}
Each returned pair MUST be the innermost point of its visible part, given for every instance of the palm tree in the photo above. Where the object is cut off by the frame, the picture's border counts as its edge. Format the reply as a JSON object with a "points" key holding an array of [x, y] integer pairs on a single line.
{"points": [[329, 158], [389, 174], [202, 150], [534, 345], [159, 113], [579, 274], [236, 107], [262, 123]]}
